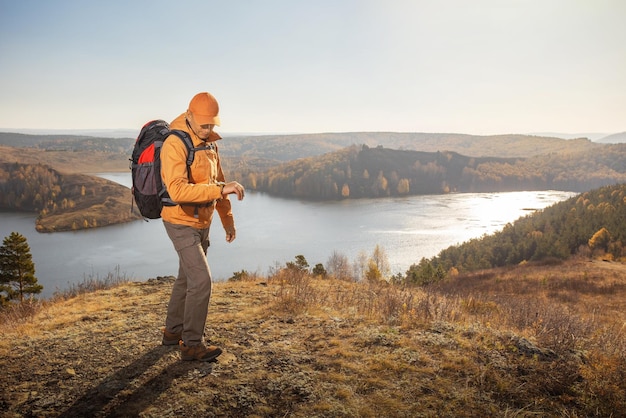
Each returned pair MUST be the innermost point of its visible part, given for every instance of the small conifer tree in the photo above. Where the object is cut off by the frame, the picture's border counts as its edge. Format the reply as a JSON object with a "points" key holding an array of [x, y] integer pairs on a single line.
{"points": [[17, 270], [299, 265]]}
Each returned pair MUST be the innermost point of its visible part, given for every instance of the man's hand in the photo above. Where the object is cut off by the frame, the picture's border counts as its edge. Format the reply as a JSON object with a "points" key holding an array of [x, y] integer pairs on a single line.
{"points": [[231, 234], [233, 188]]}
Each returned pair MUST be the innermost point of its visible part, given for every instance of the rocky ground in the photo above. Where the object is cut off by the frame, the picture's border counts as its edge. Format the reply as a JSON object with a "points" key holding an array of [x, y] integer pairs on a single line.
{"points": [[99, 354]]}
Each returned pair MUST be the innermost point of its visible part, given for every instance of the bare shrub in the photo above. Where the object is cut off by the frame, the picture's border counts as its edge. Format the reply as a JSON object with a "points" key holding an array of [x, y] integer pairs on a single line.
{"points": [[610, 340], [553, 325], [295, 290], [93, 283], [428, 305], [387, 302], [338, 266], [15, 313]]}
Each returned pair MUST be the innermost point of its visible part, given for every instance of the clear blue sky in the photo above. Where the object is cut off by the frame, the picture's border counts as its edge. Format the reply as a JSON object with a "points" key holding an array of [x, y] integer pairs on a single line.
{"points": [[478, 67]]}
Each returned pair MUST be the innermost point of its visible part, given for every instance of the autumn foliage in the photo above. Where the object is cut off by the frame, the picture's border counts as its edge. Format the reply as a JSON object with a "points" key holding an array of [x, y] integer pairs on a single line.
{"points": [[589, 225], [361, 171]]}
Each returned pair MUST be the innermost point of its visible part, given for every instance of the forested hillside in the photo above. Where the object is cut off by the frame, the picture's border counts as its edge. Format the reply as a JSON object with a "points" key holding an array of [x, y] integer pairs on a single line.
{"points": [[63, 201], [589, 224], [357, 172]]}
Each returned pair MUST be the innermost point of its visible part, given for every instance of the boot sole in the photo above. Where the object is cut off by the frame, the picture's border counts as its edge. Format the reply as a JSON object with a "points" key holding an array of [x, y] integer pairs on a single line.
{"points": [[212, 357]]}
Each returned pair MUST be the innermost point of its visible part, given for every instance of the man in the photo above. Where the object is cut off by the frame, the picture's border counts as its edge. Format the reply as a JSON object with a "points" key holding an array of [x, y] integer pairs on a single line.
{"points": [[198, 192]]}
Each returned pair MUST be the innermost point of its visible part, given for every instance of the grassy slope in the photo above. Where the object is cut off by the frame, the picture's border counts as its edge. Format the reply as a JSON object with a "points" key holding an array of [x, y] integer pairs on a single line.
{"points": [[528, 341]]}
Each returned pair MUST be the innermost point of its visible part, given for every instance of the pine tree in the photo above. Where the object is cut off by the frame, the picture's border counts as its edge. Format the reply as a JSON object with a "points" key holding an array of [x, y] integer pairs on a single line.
{"points": [[17, 270], [299, 265]]}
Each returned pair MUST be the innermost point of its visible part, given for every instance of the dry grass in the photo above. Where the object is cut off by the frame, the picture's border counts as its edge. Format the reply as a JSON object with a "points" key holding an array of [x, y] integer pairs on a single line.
{"points": [[530, 341], [21, 315]]}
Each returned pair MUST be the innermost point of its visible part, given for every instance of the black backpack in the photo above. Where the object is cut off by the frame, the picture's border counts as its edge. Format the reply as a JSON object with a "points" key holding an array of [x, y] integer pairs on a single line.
{"points": [[148, 189]]}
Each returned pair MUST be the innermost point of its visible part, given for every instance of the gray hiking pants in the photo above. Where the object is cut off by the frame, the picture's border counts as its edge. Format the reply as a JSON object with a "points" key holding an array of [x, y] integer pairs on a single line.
{"points": [[189, 302]]}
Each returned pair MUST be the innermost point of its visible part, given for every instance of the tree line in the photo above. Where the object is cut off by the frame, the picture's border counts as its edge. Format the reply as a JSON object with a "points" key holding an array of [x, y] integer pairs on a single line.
{"points": [[361, 171], [39, 188], [30, 188]]}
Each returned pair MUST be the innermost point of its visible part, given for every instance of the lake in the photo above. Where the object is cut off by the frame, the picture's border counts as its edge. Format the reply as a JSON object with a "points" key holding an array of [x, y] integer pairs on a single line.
{"points": [[273, 230]]}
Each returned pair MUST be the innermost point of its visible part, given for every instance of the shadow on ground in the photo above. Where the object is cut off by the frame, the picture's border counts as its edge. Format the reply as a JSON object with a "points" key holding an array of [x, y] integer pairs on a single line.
{"points": [[127, 392]]}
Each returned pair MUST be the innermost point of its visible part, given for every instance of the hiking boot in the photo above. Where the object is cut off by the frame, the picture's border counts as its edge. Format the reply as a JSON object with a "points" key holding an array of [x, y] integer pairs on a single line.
{"points": [[199, 352], [170, 338]]}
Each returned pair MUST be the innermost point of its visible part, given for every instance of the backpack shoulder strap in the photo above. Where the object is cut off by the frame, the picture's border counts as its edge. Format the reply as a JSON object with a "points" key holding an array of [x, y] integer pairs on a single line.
{"points": [[191, 150], [188, 144]]}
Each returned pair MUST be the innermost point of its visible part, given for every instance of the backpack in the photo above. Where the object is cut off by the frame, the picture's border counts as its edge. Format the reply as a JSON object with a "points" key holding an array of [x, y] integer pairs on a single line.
{"points": [[149, 191]]}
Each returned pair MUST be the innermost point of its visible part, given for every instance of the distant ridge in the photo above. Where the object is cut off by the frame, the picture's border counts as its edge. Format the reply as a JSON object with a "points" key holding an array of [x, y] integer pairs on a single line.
{"points": [[285, 147], [101, 133], [617, 138], [120, 133], [594, 136], [132, 133]]}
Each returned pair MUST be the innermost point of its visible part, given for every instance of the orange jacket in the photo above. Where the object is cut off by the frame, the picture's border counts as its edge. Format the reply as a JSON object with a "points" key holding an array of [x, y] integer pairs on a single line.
{"points": [[200, 187]]}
